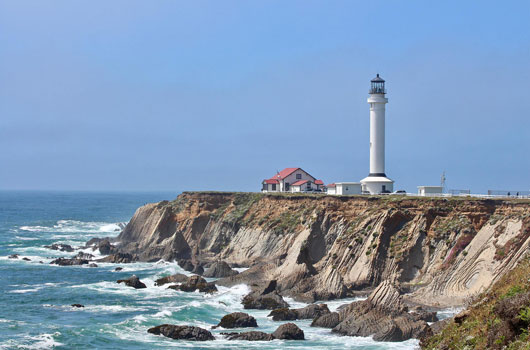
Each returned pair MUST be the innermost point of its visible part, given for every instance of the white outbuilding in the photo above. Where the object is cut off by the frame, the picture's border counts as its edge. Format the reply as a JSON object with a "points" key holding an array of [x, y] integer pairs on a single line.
{"points": [[344, 188], [430, 190]]}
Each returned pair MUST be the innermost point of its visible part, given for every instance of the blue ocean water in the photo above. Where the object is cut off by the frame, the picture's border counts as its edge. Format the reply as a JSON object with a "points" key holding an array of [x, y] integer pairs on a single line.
{"points": [[35, 297]]}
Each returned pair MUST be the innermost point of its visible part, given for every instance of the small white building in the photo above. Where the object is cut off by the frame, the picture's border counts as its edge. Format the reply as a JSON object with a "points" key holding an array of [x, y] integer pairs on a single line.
{"points": [[344, 188], [292, 180], [430, 190]]}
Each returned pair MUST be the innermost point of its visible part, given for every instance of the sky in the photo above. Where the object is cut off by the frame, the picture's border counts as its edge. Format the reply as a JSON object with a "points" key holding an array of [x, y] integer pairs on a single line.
{"points": [[219, 95]]}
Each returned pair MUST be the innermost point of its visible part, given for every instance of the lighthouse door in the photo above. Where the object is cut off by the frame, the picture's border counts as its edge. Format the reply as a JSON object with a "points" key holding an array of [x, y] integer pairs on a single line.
{"points": [[383, 189]]}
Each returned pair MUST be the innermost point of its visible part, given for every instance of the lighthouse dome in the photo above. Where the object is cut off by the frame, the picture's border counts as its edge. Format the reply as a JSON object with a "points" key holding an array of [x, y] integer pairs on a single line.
{"points": [[377, 86]]}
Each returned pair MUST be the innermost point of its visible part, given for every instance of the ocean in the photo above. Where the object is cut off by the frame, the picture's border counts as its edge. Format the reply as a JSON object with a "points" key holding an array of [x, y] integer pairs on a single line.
{"points": [[35, 297]]}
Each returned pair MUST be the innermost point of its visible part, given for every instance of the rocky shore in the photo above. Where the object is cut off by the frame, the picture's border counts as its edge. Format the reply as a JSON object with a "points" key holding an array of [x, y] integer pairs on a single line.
{"points": [[405, 253]]}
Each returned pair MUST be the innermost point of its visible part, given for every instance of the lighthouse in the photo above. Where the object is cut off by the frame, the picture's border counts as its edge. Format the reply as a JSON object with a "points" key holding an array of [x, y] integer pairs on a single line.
{"points": [[377, 182]]}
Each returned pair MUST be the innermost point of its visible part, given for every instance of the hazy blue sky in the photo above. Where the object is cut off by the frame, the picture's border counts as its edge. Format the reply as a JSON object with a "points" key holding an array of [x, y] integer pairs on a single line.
{"points": [[176, 95]]}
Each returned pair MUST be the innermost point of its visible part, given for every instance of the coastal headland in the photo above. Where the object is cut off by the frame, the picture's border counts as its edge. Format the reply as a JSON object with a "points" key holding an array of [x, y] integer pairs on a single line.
{"points": [[410, 255], [440, 252]]}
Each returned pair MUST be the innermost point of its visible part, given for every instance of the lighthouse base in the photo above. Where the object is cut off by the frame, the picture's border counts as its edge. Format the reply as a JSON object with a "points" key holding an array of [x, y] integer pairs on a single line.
{"points": [[377, 185]]}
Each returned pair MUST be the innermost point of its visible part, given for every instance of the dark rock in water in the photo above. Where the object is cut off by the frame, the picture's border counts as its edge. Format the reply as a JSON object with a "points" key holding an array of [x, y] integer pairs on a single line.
{"points": [[134, 282], [309, 312], [326, 321], [185, 264], [69, 262], [176, 278], [26, 259], [196, 283], [92, 265], [283, 314], [383, 316], [237, 320], [13, 256], [182, 332], [92, 242], [118, 269], [268, 301], [60, 247], [219, 269], [250, 336], [78, 305], [119, 258], [105, 248], [85, 256], [198, 270], [288, 331]]}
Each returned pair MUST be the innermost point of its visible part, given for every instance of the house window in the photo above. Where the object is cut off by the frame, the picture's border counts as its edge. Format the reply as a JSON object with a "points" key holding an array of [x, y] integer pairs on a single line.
{"points": [[308, 185], [298, 176], [286, 186], [274, 187]]}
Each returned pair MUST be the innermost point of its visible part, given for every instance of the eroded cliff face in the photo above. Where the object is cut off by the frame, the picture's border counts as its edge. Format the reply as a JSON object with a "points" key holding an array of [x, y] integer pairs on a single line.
{"points": [[322, 247]]}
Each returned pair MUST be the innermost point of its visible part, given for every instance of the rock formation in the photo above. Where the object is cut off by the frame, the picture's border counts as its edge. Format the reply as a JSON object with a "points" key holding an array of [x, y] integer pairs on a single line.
{"points": [[440, 252], [196, 283], [382, 316], [309, 312], [219, 269], [287, 331], [237, 320], [60, 247], [134, 282], [182, 332], [176, 278]]}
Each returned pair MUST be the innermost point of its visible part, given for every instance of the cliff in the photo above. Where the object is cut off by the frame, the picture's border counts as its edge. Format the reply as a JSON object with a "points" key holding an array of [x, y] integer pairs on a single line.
{"points": [[497, 319], [439, 251]]}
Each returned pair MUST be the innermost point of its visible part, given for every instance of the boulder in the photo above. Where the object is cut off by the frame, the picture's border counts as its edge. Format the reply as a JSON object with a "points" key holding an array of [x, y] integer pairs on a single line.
{"points": [[309, 312], [268, 301], [326, 321], [69, 262], [422, 315], [461, 316], [85, 256], [60, 247], [186, 265], [104, 247], [237, 320], [176, 278], [198, 270], [118, 269], [78, 305], [182, 332], [194, 283], [26, 259], [92, 265], [288, 331], [250, 336], [133, 281], [283, 314], [219, 269], [13, 256], [119, 258], [382, 316]]}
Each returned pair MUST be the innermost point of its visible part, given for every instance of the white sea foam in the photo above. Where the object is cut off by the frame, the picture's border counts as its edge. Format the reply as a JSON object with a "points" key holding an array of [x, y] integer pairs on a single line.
{"points": [[41, 341], [163, 313]]}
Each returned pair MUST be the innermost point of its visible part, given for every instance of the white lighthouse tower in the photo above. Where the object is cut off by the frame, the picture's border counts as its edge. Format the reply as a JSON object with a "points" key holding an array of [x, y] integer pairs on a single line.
{"points": [[377, 182]]}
